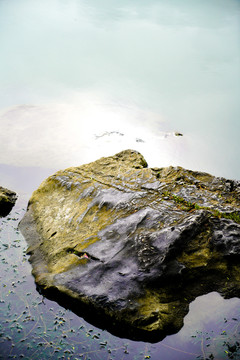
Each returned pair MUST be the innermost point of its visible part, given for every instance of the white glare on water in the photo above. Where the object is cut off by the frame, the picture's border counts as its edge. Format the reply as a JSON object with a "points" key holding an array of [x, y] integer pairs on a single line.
{"points": [[66, 134], [71, 70]]}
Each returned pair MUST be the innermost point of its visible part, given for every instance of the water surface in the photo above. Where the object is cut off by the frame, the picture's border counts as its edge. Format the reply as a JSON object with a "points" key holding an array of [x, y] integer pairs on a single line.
{"points": [[84, 79], [73, 70]]}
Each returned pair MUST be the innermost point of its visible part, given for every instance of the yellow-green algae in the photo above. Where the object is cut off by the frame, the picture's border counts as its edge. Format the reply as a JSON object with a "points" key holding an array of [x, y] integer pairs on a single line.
{"points": [[69, 233]]}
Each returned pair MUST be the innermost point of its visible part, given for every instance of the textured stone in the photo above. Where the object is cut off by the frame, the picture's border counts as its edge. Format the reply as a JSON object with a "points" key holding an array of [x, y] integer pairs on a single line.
{"points": [[130, 247], [7, 201]]}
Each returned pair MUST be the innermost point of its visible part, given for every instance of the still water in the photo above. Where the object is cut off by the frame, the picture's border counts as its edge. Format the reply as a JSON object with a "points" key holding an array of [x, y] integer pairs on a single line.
{"points": [[75, 75], [84, 79]]}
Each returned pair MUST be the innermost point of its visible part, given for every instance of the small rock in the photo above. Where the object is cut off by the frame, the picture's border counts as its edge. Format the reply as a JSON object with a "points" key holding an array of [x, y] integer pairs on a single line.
{"points": [[7, 201]]}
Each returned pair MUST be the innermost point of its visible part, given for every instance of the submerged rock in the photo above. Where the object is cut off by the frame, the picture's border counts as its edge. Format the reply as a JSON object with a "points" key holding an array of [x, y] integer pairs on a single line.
{"points": [[130, 247], [7, 201]]}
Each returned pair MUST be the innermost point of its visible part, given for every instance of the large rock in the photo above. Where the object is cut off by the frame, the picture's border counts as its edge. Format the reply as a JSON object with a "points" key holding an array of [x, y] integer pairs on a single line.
{"points": [[7, 201], [129, 247]]}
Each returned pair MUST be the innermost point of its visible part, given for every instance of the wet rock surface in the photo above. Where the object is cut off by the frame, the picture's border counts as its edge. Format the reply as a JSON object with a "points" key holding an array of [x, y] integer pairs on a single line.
{"points": [[129, 247], [7, 201]]}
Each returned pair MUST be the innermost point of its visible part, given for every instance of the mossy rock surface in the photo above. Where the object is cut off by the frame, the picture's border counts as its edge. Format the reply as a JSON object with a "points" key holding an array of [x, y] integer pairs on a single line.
{"points": [[129, 247], [7, 201]]}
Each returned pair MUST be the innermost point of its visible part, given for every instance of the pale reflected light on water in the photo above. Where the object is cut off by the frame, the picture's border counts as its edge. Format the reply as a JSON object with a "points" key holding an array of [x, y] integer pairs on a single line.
{"points": [[84, 79], [72, 69], [66, 134]]}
